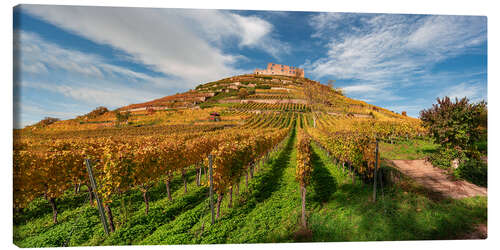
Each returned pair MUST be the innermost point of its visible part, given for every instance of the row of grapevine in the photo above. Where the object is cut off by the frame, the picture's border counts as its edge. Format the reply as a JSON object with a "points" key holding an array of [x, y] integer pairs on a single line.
{"points": [[297, 107], [269, 96], [273, 120], [304, 169], [235, 158], [50, 167], [352, 141]]}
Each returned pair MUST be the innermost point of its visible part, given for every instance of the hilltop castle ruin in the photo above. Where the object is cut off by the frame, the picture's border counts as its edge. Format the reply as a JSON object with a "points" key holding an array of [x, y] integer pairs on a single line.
{"points": [[278, 69]]}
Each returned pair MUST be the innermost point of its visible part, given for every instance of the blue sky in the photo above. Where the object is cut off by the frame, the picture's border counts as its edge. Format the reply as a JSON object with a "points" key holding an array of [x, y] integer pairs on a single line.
{"points": [[69, 59]]}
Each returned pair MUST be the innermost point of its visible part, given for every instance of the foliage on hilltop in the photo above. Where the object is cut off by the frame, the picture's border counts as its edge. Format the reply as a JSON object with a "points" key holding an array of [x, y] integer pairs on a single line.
{"points": [[95, 113], [46, 122]]}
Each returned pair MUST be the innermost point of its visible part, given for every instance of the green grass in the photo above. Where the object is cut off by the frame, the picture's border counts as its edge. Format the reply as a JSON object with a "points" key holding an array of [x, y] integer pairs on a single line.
{"points": [[268, 211], [403, 213], [413, 149]]}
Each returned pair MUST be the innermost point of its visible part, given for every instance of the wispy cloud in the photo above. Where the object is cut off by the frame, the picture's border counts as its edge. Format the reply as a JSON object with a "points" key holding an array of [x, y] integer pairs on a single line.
{"points": [[107, 94], [78, 81], [383, 53], [389, 46], [473, 91], [176, 42], [35, 55]]}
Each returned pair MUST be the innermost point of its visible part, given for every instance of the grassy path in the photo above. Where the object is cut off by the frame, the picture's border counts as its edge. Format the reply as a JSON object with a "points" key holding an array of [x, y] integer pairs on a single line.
{"points": [[262, 213], [276, 214]]}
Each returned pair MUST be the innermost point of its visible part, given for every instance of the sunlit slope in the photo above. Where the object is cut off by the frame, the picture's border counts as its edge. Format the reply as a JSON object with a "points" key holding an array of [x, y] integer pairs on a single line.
{"points": [[234, 99]]}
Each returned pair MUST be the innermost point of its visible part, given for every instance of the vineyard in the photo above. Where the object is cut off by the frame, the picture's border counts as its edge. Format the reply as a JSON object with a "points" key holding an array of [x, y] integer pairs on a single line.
{"points": [[282, 172]]}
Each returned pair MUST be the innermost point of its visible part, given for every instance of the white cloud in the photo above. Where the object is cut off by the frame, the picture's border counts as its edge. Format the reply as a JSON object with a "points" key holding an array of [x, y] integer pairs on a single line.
{"points": [[327, 22], [35, 55], [107, 94], [171, 41], [446, 36], [50, 76], [375, 50], [75, 67], [475, 92], [250, 31], [257, 33], [360, 88]]}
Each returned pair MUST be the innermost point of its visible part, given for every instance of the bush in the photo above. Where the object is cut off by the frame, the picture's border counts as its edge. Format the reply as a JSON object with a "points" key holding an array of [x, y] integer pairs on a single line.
{"points": [[96, 112], [475, 171], [47, 121], [122, 117], [443, 157], [456, 124], [242, 93]]}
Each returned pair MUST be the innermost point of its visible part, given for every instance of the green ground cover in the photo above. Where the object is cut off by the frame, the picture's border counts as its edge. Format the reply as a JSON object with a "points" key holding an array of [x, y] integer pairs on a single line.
{"points": [[412, 149]]}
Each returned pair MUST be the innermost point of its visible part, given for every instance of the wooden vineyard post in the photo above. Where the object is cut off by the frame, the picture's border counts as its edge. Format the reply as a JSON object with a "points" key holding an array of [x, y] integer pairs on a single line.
{"points": [[352, 175], [375, 173], [303, 198], [99, 202], [210, 171]]}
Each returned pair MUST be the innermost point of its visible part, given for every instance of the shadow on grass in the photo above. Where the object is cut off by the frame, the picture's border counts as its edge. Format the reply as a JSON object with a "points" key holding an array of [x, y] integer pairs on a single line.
{"points": [[141, 225], [428, 151], [322, 182], [41, 207], [261, 188], [158, 191], [70, 201]]}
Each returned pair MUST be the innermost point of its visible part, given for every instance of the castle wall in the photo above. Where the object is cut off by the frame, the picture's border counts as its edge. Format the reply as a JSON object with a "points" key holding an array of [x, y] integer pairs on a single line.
{"points": [[278, 69]]}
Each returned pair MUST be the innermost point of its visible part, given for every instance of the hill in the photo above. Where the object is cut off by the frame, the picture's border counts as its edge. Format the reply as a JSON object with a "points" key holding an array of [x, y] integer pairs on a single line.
{"points": [[234, 97]]}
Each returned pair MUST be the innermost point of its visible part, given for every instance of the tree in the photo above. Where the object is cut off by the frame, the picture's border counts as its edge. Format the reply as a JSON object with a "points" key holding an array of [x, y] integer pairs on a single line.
{"points": [[243, 93], [96, 112], [122, 117], [47, 121], [456, 125]]}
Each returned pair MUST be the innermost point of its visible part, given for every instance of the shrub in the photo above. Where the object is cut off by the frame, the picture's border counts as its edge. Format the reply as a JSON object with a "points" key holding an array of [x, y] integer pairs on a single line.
{"points": [[96, 112], [242, 93], [47, 121], [443, 157], [460, 128], [455, 124], [475, 171], [122, 117]]}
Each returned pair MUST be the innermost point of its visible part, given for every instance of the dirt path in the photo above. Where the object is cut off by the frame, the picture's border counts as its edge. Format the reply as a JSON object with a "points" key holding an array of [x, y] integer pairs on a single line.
{"points": [[437, 180]]}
